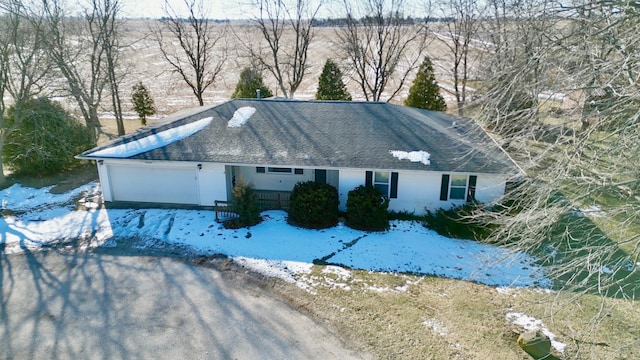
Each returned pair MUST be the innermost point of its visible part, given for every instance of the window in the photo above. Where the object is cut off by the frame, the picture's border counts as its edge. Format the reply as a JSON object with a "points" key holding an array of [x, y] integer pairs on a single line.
{"points": [[279, 170], [381, 181], [458, 187], [386, 182]]}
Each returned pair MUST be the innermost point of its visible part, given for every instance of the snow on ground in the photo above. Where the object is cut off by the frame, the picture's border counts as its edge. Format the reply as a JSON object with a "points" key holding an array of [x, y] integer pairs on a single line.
{"points": [[272, 247], [18, 198], [529, 323], [154, 141]]}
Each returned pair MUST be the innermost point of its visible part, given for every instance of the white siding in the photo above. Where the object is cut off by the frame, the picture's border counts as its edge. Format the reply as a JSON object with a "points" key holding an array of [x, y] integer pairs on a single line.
{"points": [[154, 182], [212, 184], [417, 191], [273, 181], [490, 188], [103, 174], [184, 183], [349, 179]]}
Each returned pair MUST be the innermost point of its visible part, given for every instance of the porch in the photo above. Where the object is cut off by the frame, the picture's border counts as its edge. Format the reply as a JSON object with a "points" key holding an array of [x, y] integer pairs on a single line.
{"points": [[267, 200]]}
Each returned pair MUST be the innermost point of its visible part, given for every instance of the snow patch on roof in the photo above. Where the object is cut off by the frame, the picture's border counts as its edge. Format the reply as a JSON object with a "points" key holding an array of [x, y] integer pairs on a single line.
{"points": [[413, 156], [153, 141], [241, 116]]}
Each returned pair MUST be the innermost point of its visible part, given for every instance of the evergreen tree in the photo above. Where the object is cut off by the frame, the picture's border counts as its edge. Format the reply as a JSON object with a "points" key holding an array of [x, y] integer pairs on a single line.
{"points": [[425, 92], [330, 84], [250, 81], [46, 139], [142, 102]]}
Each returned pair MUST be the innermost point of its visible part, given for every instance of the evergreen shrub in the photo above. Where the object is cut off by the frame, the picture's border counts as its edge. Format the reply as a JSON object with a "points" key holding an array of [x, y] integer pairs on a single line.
{"points": [[313, 205], [245, 205], [367, 209], [45, 138], [459, 222]]}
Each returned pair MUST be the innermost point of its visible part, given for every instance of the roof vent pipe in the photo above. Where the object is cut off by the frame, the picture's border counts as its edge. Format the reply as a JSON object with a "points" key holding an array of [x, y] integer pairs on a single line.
{"points": [[258, 93]]}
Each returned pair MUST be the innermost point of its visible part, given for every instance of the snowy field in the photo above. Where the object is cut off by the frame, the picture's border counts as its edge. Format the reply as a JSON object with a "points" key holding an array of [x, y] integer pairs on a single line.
{"points": [[37, 218]]}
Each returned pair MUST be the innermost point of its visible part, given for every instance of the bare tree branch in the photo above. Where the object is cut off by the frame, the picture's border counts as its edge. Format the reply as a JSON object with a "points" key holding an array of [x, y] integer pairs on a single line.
{"points": [[461, 30], [380, 47], [200, 52], [287, 31], [24, 70], [76, 47]]}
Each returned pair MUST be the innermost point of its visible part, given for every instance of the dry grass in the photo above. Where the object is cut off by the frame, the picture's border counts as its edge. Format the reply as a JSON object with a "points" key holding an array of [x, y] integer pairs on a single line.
{"points": [[437, 318]]}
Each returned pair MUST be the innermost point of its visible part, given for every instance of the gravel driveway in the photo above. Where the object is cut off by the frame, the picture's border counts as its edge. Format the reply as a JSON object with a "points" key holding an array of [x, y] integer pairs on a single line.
{"points": [[89, 305]]}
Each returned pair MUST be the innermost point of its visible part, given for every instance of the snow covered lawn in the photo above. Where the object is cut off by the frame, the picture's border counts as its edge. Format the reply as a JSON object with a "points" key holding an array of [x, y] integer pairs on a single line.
{"points": [[273, 247]]}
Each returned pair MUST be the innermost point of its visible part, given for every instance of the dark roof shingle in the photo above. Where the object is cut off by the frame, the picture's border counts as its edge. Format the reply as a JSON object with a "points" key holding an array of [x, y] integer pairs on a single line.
{"points": [[328, 134]]}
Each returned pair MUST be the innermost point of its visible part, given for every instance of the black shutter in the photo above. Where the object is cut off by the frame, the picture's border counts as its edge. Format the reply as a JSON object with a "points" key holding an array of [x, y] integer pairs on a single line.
{"points": [[444, 187], [471, 190], [394, 186], [368, 181]]}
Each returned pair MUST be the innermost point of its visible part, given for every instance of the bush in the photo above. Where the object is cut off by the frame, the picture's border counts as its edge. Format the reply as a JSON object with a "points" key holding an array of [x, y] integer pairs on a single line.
{"points": [[313, 205], [458, 222], [367, 209], [45, 140], [250, 81], [245, 204]]}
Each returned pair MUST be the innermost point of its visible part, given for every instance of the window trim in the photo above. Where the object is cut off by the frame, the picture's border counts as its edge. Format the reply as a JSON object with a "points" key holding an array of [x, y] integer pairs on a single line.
{"points": [[446, 187], [387, 183], [452, 187], [392, 183], [278, 170]]}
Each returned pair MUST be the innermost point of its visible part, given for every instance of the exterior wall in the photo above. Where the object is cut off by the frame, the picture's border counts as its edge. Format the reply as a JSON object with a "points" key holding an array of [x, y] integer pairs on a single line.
{"points": [[162, 182], [103, 175], [348, 180], [490, 188], [272, 181], [417, 192], [212, 184]]}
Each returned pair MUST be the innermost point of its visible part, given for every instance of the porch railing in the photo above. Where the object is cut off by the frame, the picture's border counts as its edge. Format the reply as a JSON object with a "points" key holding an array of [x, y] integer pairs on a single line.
{"points": [[267, 200], [273, 200], [224, 210]]}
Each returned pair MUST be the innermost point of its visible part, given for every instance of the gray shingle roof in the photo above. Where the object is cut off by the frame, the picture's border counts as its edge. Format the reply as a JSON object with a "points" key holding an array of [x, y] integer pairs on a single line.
{"points": [[327, 134]]}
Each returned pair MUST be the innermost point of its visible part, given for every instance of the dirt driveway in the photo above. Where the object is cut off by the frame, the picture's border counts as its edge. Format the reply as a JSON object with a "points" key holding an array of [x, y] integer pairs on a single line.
{"points": [[96, 305]]}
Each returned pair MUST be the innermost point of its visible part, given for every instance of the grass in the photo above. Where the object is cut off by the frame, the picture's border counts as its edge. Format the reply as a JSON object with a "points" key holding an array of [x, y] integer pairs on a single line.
{"points": [[435, 318]]}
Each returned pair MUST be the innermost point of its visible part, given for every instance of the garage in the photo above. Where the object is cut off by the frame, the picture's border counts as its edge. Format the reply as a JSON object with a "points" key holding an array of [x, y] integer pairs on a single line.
{"points": [[175, 185]]}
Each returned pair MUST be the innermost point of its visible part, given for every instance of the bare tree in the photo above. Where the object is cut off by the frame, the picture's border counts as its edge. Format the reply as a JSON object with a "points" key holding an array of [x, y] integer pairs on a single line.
{"points": [[200, 52], [288, 32], [24, 70], [518, 66], [76, 47], [461, 31], [579, 209], [102, 16], [381, 47]]}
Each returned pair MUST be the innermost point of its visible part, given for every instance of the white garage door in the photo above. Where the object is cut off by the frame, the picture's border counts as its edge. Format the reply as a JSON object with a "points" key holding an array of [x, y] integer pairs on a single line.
{"points": [[154, 184]]}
